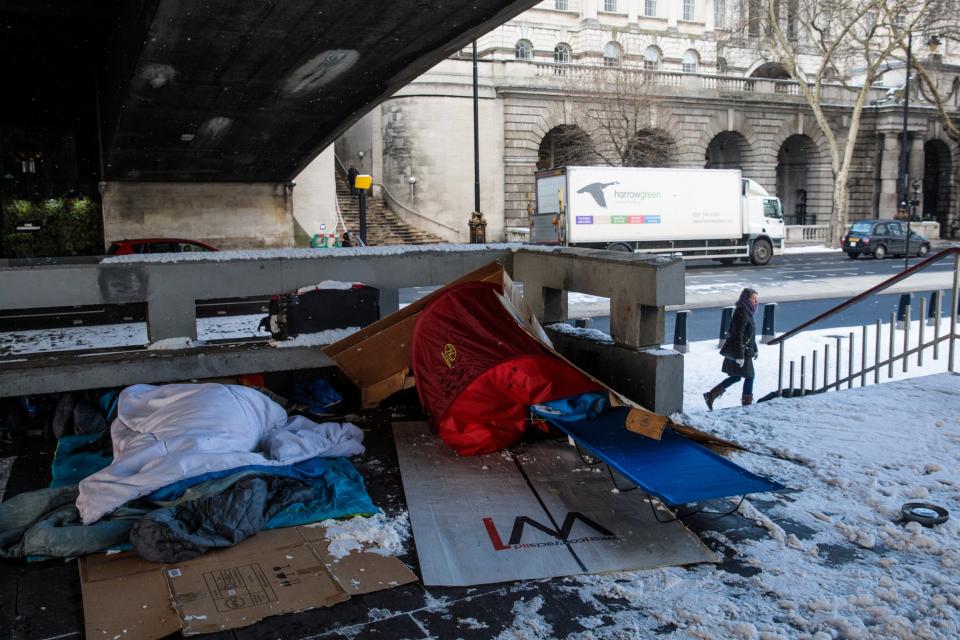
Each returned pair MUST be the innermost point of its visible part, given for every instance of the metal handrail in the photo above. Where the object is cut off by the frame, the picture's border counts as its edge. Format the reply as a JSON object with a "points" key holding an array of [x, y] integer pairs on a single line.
{"points": [[394, 201], [886, 284], [878, 364]]}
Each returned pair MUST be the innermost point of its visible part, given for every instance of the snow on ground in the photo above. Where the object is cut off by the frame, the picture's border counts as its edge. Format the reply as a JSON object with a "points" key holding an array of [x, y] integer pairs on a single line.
{"points": [[130, 334], [701, 366], [817, 248], [318, 339], [330, 252], [835, 562]]}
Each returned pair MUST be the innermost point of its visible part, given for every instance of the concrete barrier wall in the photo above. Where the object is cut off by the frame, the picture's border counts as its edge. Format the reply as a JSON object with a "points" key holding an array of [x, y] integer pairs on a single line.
{"points": [[227, 215]]}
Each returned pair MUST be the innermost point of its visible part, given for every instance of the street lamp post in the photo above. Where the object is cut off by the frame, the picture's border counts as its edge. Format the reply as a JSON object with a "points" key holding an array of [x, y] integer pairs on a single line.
{"points": [[907, 204], [904, 136]]}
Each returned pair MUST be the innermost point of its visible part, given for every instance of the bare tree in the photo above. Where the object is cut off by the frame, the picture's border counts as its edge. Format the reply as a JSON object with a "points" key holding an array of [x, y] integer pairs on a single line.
{"points": [[620, 115], [612, 121], [935, 26], [829, 47]]}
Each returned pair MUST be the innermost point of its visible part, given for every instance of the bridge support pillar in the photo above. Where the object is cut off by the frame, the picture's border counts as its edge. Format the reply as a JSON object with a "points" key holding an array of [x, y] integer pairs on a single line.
{"points": [[227, 215]]}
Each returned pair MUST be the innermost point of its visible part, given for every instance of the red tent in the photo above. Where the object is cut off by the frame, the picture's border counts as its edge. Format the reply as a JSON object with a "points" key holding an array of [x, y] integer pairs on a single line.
{"points": [[478, 370]]}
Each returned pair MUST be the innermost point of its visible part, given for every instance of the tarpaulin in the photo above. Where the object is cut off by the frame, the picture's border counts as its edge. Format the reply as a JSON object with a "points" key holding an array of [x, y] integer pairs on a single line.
{"points": [[478, 370]]}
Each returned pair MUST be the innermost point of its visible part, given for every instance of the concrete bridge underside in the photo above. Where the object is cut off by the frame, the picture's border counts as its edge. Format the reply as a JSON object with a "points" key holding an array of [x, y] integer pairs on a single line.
{"points": [[157, 93]]}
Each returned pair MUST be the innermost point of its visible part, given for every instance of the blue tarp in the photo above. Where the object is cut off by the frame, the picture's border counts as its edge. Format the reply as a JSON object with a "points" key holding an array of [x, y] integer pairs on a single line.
{"points": [[674, 469]]}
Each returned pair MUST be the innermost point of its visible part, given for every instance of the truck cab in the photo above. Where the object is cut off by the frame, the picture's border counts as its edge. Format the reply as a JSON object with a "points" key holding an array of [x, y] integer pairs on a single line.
{"points": [[763, 222]]}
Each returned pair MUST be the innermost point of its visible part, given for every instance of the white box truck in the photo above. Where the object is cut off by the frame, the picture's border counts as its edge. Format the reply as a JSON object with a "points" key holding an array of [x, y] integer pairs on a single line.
{"points": [[698, 213]]}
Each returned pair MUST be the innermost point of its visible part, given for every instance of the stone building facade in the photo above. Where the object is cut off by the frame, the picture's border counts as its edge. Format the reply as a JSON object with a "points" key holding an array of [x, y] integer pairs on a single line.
{"points": [[707, 105]]}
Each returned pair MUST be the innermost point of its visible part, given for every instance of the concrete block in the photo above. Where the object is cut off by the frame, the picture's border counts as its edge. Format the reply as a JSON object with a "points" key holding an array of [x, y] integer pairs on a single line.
{"points": [[652, 378]]}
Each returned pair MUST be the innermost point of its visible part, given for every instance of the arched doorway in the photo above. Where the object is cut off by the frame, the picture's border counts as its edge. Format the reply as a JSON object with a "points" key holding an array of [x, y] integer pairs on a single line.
{"points": [[650, 148], [937, 183], [726, 151], [566, 145], [771, 70], [793, 166]]}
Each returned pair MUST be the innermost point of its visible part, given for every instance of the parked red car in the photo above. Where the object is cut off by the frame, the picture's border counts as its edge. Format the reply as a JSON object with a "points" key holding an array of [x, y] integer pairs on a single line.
{"points": [[157, 245]]}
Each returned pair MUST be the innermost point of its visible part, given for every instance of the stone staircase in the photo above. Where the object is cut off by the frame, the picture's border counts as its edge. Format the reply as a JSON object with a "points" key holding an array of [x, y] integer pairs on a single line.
{"points": [[384, 227]]}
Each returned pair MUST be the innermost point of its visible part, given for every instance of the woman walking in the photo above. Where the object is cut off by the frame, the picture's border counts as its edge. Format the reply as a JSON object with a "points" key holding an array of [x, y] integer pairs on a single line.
{"points": [[739, 351]]}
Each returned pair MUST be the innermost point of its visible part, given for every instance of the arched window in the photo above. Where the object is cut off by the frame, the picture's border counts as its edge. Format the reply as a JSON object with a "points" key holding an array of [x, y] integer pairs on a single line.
{"points": [[612, 54], [523, 50], [651, 58], [562, 53], [722, 66], [690, 61]]}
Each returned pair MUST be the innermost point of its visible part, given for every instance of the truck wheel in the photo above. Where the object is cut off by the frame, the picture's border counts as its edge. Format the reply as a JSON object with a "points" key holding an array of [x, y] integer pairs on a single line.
{"points": [[761, 252], [619, 246]]}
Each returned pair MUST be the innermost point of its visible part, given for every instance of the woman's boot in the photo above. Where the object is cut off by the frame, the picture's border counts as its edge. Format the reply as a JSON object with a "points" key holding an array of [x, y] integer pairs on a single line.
{"points": [[711, 396], [745, 399]]}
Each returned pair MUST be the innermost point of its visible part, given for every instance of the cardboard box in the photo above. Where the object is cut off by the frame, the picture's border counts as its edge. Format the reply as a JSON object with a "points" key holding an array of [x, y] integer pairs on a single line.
{"points": [[275, 572]]}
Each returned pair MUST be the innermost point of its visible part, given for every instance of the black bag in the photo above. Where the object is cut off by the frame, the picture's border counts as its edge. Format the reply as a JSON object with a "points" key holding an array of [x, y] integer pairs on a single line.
{"points": [[312, 310]]}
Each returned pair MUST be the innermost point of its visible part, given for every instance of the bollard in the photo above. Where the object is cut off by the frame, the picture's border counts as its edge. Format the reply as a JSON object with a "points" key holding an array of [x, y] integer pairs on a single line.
{"points": [[904, 304], [769, 322], [680, 332], [933, 306], [725, 320]]}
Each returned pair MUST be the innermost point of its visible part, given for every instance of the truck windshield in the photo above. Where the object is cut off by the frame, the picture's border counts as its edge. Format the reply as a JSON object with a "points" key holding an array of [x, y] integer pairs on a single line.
{"points": [[771, 209]]}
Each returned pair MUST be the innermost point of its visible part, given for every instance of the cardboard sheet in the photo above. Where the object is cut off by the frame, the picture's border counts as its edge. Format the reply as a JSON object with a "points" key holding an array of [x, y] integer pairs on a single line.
{"points": [[540, 514], [275, 572]]}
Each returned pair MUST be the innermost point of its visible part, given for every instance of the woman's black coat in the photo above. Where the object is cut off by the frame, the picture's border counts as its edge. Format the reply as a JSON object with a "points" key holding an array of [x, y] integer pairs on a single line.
{"points": [[741, 345]]}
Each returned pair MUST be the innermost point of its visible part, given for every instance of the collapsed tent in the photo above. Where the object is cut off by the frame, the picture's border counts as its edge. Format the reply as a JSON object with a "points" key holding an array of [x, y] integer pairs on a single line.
{"points": [[478, 370]]}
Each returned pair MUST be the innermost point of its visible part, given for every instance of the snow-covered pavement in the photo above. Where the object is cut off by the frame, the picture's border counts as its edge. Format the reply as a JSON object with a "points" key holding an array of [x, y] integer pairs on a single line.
{"points": [[832, 560], [701, 366]]}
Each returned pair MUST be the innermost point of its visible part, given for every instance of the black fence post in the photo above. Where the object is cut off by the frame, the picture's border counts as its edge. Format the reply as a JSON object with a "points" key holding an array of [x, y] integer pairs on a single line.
{"points": [[769, 322], [933, 306], [725, 320], [905, 300], [680, 332]]}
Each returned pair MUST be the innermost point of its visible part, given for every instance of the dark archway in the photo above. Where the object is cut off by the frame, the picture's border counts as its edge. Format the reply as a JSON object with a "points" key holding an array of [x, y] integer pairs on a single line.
{"points": [[937, 183], [726, 151], [566, 145], [771, 70], [650, 148], [793, 166]]}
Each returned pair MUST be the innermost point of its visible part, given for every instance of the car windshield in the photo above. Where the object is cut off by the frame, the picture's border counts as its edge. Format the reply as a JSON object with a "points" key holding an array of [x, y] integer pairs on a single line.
{"points": [[861, 227]]}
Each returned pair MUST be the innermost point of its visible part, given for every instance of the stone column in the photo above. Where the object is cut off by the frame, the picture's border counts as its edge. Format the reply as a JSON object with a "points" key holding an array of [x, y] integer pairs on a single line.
{"points": [[889, 171], [916, 167]]}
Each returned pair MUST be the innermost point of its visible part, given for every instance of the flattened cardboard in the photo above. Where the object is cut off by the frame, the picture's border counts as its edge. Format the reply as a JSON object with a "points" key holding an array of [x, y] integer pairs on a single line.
{"points": [[275, 572], [498, 518], [125, 596]]}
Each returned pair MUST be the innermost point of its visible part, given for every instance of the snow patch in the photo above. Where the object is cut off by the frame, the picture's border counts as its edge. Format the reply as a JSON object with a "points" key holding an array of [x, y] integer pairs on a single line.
{"points": [[318, 339], [326, 284], [527, 624], [174, 343]]}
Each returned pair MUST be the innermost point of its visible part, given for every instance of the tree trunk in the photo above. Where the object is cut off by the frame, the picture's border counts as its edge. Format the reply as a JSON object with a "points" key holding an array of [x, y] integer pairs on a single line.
{"points": [[838, 217]]}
